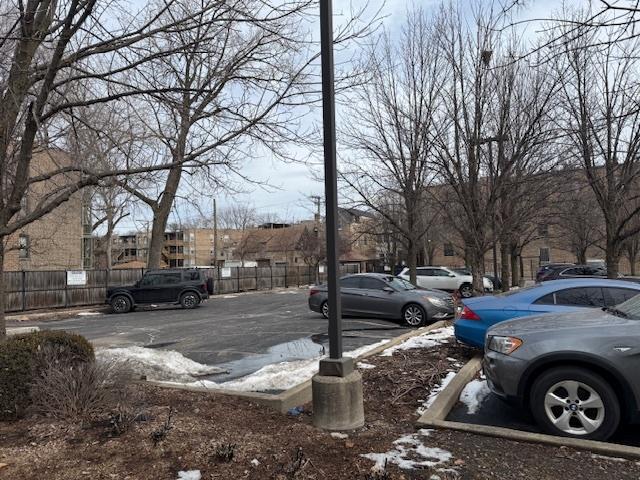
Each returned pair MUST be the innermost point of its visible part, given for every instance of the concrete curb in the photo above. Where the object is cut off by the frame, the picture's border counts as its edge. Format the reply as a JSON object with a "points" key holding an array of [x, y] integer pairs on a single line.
{"points": [[448, 397], [435, 416], [300, 394]]}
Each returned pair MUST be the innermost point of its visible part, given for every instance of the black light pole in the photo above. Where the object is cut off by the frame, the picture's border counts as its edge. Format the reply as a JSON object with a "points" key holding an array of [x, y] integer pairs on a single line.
{"points": [[334, 366]]}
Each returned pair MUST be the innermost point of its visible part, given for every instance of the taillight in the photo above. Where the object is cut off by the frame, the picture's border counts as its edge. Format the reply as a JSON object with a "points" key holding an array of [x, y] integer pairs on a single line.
{"points": [[468, 314], [313, 291]]}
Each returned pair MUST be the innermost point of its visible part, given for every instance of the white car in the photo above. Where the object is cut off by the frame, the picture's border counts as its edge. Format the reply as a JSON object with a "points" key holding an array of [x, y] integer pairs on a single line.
{"points": [[445, 279]]}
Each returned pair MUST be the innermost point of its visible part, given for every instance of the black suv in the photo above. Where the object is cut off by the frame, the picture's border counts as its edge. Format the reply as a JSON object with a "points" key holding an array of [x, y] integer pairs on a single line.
{"points": [[187, 287]]}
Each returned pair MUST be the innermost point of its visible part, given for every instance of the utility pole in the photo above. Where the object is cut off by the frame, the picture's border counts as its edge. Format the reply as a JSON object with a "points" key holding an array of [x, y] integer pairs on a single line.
{"points": [[215, 233], [317, 199]]}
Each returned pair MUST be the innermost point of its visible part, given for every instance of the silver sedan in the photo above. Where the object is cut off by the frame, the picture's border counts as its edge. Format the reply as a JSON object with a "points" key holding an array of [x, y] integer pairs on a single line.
{"points": [[385, 296]]}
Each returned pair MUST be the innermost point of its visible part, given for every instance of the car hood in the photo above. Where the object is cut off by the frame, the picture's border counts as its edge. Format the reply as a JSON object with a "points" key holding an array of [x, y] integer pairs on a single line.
{"points": [[582, 319], [428, 291]]}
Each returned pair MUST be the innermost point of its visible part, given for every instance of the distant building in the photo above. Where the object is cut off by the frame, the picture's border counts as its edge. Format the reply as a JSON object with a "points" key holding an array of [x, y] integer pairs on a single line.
{"points": [[58, 240]]}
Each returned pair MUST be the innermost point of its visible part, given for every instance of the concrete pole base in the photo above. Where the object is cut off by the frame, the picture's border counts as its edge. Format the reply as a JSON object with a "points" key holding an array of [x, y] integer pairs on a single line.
{"points": [[337, 402]]}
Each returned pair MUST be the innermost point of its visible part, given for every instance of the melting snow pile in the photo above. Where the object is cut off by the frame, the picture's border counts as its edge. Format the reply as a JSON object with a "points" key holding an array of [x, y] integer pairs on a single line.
{"points": [[427, 340], [162, 365], [473, 395], [365, 366], [434, 393], [281, 376], [410, 452]]}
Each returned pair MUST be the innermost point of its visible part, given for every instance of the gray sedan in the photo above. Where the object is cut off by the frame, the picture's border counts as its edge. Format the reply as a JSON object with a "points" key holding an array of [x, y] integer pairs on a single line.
{"points": [[576, 372], [385, 296]]}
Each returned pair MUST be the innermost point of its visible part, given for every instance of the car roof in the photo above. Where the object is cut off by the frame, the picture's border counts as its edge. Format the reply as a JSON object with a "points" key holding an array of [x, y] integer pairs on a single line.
{"points": [[555, 285], [170, 270], [374, 275]]}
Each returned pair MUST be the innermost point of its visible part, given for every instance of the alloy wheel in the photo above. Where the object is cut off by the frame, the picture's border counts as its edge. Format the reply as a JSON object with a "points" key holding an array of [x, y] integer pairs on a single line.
{"points": [[120, 304], [189, 301], [413, 315], [466, 291], [325, 309], [574, 407]]}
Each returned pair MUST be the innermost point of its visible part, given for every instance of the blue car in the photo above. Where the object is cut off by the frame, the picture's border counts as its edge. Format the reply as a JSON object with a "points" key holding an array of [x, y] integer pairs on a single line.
{"points": [[556, 296]]}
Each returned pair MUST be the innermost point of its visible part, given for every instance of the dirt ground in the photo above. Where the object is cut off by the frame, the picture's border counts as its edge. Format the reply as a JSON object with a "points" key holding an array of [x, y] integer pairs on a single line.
{"points": [[206, 428]]}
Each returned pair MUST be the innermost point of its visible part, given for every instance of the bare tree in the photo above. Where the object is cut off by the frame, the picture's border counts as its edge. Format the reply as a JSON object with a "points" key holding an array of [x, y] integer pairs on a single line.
{"points": [[602, 124], [389, 128], [312, 246]]}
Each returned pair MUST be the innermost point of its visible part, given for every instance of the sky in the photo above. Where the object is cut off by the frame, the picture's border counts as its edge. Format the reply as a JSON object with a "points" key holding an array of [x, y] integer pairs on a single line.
{"points": [[285, 188]]}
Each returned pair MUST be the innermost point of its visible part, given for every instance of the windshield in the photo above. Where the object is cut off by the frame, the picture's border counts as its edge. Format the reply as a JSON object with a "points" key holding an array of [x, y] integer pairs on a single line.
{"points": [[400, 284], [631, 308]]}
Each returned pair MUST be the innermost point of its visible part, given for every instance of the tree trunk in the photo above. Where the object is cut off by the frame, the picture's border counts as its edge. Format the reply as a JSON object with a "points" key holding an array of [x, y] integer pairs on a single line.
{"points": [[581, 256], [3, 306], [612, 259], [412, 255], [515, 268], [160, 217], [632, 262], [477, 270], [504, 263]]}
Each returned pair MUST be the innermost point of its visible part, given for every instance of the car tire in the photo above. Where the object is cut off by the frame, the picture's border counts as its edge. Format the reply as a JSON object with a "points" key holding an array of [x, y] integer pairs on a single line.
{"points": [[121, 304], [466, 290], [413, 315], [190, 300], [558, 414], [324, 309]]}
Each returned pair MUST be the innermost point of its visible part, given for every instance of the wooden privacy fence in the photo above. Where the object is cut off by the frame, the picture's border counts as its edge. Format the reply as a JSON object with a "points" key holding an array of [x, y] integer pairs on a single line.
{"points": [[30, 290]]}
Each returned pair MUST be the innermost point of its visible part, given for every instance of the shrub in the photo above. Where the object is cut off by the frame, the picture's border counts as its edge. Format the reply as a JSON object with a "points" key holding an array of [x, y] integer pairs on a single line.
{"points": [[23, 358]]}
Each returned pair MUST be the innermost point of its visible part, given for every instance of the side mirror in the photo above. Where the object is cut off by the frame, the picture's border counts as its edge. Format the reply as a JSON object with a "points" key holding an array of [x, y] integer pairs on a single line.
{"points": [[452, 275], [388, 289]]}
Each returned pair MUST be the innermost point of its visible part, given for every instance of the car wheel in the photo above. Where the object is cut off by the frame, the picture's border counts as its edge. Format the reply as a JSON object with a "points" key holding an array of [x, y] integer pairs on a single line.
{"points": [[466, 290], [324, 308], [120, 304], [575, 402], [414, 315], [189, 300]]}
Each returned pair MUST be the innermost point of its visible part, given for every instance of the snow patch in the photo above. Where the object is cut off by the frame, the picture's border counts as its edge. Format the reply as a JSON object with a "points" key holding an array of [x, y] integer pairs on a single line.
{"points": [[255, 462], [434, 393], [410, 452], [427, 340], [88, 314], [161, 365], [280, 376], [189, 475], [474, 394], [230, 296], [610, 459], [365, 366], [287, 292], [338, 435]]}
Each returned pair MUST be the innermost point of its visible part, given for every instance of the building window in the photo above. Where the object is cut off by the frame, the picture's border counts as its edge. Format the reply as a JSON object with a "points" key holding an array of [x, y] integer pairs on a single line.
{"points": [[448, 250], [544, 255], [23, 246], [543, 230]]}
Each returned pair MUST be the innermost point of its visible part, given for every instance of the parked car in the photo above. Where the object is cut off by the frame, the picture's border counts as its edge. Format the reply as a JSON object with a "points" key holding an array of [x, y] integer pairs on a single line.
{"points": [[385, 296], [187, 287], [545, 270], [576, 372], [573, 271], [442, 278], [495, 281], [476, 315]]}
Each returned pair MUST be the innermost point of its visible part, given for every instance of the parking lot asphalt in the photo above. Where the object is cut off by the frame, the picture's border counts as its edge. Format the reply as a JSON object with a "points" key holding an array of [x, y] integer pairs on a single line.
{"points": [[240, 332], [494, 412]]}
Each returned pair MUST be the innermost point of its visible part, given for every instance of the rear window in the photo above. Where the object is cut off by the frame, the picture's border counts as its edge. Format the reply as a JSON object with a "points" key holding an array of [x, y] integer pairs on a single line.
{"points": [[546, 300], [615, 296], [350, 282], [581, 297]]}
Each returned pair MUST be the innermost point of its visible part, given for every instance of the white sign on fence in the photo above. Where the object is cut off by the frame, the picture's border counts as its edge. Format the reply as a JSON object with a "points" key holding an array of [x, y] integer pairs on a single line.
{"points": [[76, 278], [321, 268], [225, 272]]}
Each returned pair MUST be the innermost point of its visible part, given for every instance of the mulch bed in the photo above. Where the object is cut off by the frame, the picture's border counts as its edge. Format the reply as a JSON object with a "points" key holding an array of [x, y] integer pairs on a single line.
{"points": [[205, 428]]}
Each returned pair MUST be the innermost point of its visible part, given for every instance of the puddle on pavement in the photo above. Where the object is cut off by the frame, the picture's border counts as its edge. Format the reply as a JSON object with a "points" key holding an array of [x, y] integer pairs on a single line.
{"points": [[301, 349]]}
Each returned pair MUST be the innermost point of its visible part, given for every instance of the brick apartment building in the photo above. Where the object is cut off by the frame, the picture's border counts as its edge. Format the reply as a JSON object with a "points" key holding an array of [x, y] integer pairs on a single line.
{"points": [[60, 240]]}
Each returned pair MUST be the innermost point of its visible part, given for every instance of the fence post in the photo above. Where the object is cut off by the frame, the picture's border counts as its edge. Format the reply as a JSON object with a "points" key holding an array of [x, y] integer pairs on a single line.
{"points": [[270, 277], [218, 283], [24, 290], [298, 276], [238, 276], [66, 291], [256, 279], [286, 285]]}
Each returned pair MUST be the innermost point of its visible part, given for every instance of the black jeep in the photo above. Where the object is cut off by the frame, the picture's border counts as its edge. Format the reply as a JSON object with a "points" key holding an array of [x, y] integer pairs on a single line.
{"points": [[187, 287]]}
